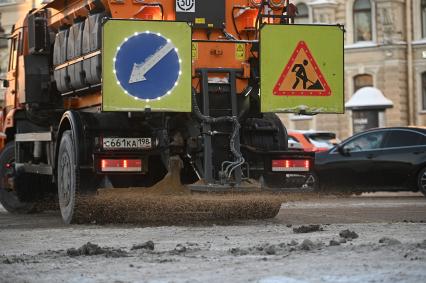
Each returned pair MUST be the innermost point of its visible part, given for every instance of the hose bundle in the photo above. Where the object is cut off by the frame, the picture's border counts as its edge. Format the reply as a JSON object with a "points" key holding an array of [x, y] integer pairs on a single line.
{"points": [[239, 159]]}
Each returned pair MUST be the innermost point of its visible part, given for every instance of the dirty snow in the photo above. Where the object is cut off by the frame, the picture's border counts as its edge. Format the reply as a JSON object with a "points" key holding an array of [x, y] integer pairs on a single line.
{"points": [[248, 251]]}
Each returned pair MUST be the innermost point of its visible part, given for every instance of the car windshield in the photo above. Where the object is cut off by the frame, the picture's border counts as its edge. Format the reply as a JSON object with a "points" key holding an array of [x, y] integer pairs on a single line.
{"points": [[326, 140]]}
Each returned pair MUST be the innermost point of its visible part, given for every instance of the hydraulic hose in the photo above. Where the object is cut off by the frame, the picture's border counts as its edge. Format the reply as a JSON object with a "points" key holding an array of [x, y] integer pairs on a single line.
{"points": [[239, 159]]}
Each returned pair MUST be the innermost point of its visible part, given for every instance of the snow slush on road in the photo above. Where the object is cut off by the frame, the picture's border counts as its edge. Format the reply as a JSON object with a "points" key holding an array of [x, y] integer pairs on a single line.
{"points": [[170, 202]]}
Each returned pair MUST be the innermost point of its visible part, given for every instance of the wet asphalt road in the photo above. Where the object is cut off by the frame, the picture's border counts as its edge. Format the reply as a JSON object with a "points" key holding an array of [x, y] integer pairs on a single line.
{"points": [[367, 208], [34, 248]]}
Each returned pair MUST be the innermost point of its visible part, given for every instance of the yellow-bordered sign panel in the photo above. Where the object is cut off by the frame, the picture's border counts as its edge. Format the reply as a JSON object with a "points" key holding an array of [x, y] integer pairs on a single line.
{"points": [[302, 69], [146, 65]]}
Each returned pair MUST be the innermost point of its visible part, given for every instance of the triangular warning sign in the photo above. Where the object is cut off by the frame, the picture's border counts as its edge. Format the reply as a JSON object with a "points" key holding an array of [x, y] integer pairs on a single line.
{"points": [[302, 76]]}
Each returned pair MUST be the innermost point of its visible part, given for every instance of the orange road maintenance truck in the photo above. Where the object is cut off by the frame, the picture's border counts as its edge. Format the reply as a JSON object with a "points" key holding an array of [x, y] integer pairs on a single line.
{"points": [[128, 93]]}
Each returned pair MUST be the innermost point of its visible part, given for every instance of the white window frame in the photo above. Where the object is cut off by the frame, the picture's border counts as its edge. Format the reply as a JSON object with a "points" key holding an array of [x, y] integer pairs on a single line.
{"points": [[363, 74], [350, 23], [419, 70], [306, 2], [417, 20]]}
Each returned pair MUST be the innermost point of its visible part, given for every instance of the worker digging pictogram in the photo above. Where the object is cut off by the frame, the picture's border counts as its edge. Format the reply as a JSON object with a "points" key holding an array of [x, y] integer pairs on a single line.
{"points": [[302, 76]]}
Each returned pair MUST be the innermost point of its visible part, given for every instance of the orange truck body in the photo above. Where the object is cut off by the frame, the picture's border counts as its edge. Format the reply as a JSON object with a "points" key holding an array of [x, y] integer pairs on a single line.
{"points": [[211, 52], [53, 114]]}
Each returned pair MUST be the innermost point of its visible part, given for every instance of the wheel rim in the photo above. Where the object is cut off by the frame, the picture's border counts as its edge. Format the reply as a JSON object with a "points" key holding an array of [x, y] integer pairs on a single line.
{"points": [[423, 180], [8, 183], [12, 198], [64, 182]]}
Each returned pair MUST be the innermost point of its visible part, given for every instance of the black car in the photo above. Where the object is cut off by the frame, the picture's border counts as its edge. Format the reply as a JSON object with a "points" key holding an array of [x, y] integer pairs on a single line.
{"points": [[378, 159]]}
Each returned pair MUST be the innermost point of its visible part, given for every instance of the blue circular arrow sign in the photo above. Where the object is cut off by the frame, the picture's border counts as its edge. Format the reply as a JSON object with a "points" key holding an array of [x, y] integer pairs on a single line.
{"points": [[147, 66]]}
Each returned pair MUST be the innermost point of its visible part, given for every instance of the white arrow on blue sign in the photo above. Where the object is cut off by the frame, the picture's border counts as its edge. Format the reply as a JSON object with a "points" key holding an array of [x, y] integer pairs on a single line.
{"points": [[147, 66]]}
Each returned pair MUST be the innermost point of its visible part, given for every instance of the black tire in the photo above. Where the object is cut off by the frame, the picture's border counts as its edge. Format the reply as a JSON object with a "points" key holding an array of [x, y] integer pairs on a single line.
{"points": [[68, 177], [282, 135], [421, 181], [9, 197]]}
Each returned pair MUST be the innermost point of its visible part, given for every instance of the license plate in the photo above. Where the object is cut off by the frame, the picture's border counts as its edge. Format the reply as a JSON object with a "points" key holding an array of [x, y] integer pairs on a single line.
{"points": [[126, 143]]}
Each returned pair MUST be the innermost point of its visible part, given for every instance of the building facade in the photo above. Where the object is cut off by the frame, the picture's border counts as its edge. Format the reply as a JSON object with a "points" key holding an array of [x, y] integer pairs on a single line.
{"points": [[385, 48]]}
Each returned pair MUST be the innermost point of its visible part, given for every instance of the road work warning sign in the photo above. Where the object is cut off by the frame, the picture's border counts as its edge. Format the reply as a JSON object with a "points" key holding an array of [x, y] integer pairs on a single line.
{"points": [[302, 76], [301, 69]]}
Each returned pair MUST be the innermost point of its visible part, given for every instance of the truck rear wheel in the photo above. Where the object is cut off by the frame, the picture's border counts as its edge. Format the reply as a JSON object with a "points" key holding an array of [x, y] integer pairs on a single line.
{"points": [[9, 197], [68, 177]]}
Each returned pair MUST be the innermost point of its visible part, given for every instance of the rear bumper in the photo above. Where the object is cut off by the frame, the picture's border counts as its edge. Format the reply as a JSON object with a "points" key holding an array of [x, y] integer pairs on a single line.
{"points": [[269, 156]]}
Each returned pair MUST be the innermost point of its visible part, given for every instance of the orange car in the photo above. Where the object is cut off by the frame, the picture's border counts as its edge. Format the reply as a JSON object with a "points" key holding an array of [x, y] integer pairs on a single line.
{"points": [[313, 141]]}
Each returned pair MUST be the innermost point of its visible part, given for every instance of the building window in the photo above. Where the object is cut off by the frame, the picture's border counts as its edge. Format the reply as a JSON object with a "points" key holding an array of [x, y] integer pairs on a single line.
{"points": [[361, 81], [362, 20], [423, 11], [302, 14], [7, 2], [424, 91], [3, 40]]}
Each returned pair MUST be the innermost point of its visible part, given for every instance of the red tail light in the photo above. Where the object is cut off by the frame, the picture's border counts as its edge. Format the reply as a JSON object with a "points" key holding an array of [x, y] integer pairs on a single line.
{"points": [[121, 165], [289, 165]]}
